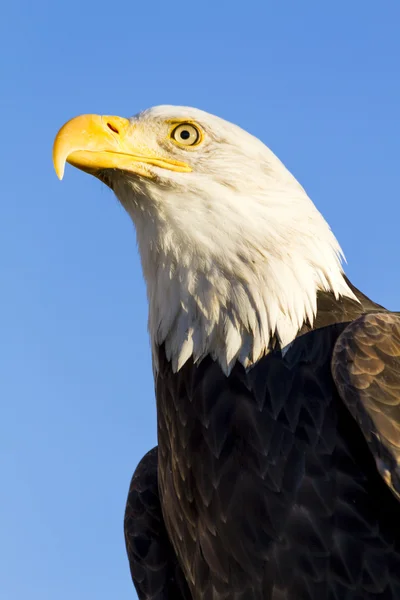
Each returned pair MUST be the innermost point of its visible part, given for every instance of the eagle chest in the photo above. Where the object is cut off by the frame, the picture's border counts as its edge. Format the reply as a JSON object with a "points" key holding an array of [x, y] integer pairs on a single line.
{"points": [[253, 439]]}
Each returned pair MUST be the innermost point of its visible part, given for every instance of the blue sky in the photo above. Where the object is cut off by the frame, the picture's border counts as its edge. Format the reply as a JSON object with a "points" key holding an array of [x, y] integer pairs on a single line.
{"points": [[317, 81]]}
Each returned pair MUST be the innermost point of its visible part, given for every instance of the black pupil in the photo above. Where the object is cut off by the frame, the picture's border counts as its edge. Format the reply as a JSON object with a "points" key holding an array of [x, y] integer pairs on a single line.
{"points": [[185, 134]]}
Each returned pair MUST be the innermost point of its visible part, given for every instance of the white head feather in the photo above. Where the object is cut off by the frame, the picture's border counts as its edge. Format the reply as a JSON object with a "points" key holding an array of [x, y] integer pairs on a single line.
{"points": [[234, 252]]}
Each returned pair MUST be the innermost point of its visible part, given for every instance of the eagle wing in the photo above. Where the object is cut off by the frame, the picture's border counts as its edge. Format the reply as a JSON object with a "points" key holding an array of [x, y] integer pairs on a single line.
{"points": [[153, 563], [366, 371]]}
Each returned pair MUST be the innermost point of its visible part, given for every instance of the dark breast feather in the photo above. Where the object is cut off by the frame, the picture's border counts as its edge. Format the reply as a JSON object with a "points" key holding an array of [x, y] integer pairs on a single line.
{"points": [[268, 489]]}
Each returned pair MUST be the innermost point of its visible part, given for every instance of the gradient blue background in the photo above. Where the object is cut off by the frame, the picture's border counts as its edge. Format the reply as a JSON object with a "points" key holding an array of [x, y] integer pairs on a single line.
{"points": [[317, 81]]}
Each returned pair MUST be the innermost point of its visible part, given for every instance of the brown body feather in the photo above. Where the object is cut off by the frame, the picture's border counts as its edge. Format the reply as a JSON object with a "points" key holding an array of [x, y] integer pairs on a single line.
{"points": [[268, 480]]}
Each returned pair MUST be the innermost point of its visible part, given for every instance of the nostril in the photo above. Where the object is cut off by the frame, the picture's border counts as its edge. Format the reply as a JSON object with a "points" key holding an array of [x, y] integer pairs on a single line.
{"points": [[112, 127]]}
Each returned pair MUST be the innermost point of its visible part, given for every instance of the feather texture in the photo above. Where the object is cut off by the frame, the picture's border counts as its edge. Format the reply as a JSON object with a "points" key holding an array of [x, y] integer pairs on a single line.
{"points": [[267, 486]]}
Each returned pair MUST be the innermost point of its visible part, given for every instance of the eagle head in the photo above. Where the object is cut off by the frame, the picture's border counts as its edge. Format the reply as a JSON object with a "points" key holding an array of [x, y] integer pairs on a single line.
{"points": [[233, 250]]}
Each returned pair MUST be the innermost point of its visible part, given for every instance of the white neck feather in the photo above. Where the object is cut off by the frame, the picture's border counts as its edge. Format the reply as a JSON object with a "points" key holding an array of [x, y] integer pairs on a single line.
{"points": [[224, 279]]}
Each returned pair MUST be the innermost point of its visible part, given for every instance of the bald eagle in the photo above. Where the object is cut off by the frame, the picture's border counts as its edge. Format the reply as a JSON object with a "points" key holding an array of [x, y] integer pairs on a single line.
{"points": [[276, 475]]}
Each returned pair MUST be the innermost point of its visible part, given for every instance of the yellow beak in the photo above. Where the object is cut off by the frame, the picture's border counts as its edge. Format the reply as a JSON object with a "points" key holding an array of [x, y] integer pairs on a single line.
{"points": [[93, 143]]}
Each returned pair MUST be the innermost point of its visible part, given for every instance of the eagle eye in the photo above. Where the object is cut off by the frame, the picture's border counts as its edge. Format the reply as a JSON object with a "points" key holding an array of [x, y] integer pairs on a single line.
{"points": [[186, 134]]}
